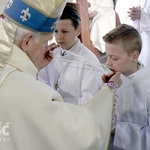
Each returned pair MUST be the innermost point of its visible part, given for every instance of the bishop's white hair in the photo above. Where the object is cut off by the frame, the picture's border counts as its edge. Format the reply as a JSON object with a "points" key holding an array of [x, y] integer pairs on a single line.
{"points": [[22, 32]]}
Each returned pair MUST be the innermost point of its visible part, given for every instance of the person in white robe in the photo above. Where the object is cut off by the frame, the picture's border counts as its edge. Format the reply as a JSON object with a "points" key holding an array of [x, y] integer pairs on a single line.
{"points": [[123, 47], [77, 74], [33, 116], [102, 20], [137, 14]]}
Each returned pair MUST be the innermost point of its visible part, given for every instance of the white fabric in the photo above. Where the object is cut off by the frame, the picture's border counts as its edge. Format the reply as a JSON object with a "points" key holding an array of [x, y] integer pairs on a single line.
{"points": [[38, 120], [133, 128], [102, 23], [77, 77], [143, 25], [2, 6]]}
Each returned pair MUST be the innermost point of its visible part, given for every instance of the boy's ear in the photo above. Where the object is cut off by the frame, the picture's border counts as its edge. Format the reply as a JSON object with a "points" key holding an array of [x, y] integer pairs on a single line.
{"points": [[135, 56], [78, 31], [25, 42]]}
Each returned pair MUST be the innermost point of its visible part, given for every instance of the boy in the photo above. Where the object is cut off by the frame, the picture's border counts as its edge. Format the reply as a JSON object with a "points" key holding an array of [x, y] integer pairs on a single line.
{"points": [[123, 47], [72, 74]]}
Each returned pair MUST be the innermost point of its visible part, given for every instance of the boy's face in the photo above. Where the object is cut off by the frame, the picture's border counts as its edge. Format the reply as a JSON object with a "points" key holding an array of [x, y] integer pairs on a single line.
{"points": [[66, 34], [119, 60]]}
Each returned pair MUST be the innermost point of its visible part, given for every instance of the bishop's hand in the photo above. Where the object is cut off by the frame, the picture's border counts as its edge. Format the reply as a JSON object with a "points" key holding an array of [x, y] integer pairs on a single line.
{"points": [[46, 57]]}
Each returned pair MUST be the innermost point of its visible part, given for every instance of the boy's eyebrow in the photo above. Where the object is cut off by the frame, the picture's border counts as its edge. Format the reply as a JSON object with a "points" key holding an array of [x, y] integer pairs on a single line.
{"points": [[110, 55]]}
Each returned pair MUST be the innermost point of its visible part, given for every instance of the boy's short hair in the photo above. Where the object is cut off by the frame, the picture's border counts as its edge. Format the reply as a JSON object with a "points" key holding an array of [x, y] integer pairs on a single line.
{"points": [[70, 12], [127, 36]]}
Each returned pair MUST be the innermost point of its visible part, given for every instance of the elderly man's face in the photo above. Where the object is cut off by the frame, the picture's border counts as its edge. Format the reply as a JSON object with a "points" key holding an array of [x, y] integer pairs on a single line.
{"points": [[35, 49]]}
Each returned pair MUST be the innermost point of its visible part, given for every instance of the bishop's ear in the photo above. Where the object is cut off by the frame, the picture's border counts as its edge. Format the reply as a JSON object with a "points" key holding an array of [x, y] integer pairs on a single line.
{"points": [[25, 42]]}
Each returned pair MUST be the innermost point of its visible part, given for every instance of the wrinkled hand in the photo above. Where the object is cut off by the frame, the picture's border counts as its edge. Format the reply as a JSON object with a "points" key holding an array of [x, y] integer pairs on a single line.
{"points": [[135, 13], [46, 57], [107, 77], [92, 15], [114, 77]]}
